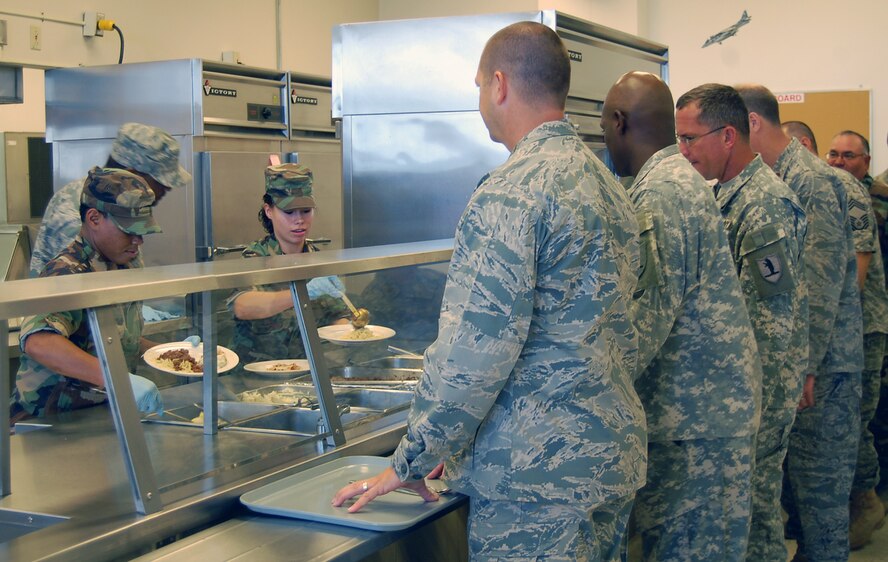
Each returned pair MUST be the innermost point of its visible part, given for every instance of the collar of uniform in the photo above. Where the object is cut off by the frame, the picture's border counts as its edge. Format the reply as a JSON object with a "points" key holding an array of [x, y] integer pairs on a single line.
{"points": [[559, 128], [655, 159], [792, 151], [274, 247], [90, 255], [724, 192]]}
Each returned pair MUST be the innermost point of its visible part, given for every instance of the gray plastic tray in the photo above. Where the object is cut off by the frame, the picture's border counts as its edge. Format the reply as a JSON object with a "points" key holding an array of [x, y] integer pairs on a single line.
{"points": [[307, 495]]}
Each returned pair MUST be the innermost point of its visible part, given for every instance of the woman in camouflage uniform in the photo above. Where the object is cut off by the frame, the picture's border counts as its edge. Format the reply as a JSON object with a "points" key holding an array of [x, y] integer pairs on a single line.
{"points": [[265, 321]]}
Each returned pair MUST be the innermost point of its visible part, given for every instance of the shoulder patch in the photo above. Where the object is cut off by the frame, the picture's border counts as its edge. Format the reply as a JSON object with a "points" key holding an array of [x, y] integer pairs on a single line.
{"points": [[859, 215]]}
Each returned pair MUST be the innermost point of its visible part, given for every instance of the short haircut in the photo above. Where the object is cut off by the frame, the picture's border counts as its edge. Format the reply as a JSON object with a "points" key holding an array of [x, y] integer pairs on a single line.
{"points": [[848, 132], [759, 99], [534, 57], [801, 129], [720, 105]]}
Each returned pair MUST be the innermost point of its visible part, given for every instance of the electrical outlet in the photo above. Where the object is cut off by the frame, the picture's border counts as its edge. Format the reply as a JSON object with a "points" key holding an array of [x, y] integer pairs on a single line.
{"points": [[91, 24], [36, 38]]}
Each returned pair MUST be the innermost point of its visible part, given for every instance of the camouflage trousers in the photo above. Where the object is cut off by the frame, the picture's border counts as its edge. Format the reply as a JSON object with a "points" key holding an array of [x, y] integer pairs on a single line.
{"points": [[820, 467], [866, 475], [879, 426], [766, 542], [696, 504], [67, 394], [547, 531]]}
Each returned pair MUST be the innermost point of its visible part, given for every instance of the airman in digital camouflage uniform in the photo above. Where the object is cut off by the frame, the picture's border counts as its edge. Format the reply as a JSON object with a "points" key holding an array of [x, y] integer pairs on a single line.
{"points": [[59, 370], [850, 151], [878, 190], [866, 509], [266, 327], [823, 442], [146, 151], [766, 229], [527, 393], [700, 375]]}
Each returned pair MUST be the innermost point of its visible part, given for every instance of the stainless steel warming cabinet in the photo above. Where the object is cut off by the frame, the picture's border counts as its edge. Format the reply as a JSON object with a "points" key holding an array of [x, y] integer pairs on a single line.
{"points": [[228, 120], [414, 146]]}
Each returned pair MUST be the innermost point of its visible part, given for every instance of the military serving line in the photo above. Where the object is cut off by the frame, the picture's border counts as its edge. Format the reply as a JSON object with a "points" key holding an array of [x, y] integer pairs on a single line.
{"points": [[703, 347]]}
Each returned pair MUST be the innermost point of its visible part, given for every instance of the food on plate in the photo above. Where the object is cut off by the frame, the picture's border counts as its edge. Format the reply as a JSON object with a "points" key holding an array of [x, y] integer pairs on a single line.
{"points": [[284, 367], [358, 334], [180, 360]]}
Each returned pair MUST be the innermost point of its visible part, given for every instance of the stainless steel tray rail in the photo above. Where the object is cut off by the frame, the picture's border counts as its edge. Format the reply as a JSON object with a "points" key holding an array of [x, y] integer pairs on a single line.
{"points": [[98, 293]]}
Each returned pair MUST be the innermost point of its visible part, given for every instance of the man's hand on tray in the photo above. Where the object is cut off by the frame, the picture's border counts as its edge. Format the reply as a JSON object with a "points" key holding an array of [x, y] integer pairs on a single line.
{"points": [[381, 484]]}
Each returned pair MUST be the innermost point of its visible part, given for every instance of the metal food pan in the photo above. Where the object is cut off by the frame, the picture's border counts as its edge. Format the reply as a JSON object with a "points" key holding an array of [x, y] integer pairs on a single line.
{"points": [[377, 399], [299, 420], [228, 412], [397, 362], [361, 373], [287, 394]]}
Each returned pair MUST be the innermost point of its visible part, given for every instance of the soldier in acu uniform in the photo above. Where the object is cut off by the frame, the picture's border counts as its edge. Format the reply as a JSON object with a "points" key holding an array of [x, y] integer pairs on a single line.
{"points": [[146, 151], [266, 327], [700, 374], [59, 370], [527, 393], [866, 509], [766, 231], [823, 443]]}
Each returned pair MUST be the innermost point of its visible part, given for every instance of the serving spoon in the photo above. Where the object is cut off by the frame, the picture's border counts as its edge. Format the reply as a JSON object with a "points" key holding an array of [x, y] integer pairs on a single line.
{"points": [[360, 316]]}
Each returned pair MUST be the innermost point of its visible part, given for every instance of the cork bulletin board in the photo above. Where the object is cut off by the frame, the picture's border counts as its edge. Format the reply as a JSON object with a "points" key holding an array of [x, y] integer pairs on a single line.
{"points": [[828, 113]]}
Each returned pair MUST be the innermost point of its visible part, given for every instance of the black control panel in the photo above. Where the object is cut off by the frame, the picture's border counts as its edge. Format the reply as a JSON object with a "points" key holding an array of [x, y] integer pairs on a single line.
{"points": [[261, 112]]}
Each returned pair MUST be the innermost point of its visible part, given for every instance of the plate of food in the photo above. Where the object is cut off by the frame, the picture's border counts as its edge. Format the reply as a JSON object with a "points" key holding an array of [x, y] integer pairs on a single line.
{"points": [[183, 359], [280, 367], [346, 334]]}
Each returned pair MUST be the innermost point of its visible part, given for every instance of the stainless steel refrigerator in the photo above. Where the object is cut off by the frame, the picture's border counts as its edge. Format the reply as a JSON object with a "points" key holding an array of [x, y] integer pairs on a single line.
{"points": [[414, 145]]}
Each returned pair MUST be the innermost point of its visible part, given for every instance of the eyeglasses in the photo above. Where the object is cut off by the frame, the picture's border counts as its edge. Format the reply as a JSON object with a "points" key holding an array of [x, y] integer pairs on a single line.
{"points": [[833, 155], [689, 140]]}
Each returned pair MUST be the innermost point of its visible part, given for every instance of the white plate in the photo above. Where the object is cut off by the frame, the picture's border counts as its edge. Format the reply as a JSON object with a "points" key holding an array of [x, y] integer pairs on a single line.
{"points": [[226, 361], [338, 333], [274, 367]]}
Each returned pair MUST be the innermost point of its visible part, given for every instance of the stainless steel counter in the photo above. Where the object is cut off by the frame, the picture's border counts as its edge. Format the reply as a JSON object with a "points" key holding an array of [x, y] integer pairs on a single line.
{"points": [[251, 537], [73, 471]]}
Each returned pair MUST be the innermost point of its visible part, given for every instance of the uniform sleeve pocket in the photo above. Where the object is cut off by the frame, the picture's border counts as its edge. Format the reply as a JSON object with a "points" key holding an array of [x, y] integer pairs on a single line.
{"points": [[764, 256], [650, 274]]}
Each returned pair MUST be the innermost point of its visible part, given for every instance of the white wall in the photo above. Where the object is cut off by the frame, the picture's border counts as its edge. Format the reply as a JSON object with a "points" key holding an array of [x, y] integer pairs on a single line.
{"points": [[171, 29], [790, 45]]}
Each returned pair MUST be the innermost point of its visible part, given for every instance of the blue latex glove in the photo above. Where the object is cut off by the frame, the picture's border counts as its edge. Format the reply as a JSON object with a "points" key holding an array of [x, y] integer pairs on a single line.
{"points": [[325, 286], [193, 340], [146, 394]]}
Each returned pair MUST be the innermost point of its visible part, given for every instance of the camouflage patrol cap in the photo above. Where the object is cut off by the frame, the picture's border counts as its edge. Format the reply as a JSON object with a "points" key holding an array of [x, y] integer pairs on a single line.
{"points": [[152, 151], [289, 186], [123, 196]]}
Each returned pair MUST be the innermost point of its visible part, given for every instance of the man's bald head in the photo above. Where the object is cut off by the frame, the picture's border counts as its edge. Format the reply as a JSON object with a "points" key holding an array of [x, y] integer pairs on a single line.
{"points": [[637, 120], [647, 102], [801, 131], [535, 59]]}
